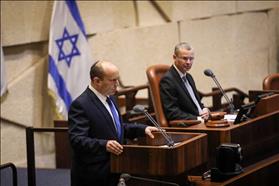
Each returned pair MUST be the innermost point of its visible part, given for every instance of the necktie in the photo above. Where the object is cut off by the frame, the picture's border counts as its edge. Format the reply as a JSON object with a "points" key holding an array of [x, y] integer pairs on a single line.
{"points": [[115, 117], [191, 92]]}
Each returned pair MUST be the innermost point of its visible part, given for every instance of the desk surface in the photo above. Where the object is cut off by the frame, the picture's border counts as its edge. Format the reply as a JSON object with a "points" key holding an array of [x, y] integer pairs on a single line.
{"points": [[231, 126], [258, 137]]}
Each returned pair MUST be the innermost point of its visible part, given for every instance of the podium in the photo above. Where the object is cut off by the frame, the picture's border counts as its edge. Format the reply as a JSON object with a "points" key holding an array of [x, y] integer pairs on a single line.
{"points": [[152, 157]]}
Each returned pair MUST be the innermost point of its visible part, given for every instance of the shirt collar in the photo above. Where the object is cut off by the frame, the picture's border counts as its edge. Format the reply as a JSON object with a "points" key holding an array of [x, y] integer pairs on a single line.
{"points": [[178, 71], [101, 97]]}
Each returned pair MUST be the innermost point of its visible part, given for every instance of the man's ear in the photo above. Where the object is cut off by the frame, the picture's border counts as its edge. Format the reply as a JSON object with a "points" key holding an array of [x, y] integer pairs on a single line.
{"points": [[96, 80]]}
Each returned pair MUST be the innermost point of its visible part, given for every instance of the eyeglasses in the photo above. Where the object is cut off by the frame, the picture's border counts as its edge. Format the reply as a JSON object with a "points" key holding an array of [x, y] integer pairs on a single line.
{"points": [[186, 58]]}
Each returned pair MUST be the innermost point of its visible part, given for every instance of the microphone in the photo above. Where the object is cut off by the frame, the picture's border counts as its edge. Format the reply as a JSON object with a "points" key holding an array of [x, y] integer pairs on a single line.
{"points": [[209, 73], [126, 177], [141, 109], [121, 182]]}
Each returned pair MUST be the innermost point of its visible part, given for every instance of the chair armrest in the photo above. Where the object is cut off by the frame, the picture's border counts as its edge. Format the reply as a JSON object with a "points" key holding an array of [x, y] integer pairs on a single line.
{"points": [[183, 123], [131, 89], [128, 101], [140, 118], [218, 92]]}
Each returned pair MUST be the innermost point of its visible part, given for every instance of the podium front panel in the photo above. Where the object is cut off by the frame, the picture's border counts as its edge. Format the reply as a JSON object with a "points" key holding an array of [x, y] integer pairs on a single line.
{"points": [[154, 158]]}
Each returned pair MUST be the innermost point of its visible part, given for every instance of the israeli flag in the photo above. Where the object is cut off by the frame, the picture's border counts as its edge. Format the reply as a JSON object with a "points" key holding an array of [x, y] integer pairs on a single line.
{"points": [[69, 56]]}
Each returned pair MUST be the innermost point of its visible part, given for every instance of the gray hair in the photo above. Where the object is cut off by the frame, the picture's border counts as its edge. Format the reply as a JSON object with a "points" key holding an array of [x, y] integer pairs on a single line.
{"points": [[182, 45]]}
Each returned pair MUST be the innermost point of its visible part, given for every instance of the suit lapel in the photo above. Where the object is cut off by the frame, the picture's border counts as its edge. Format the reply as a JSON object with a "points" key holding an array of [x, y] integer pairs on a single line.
{"points": [[182, 85], [99, 105], [179, 80]]}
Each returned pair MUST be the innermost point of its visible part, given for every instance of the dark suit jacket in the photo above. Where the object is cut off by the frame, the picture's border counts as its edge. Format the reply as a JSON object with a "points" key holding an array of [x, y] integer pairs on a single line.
{"points": [[90, 126], [176, 100]]}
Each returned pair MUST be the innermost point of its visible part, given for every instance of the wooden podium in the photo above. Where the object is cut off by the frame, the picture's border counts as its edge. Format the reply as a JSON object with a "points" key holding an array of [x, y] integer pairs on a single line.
{"points": [[152, 157]]}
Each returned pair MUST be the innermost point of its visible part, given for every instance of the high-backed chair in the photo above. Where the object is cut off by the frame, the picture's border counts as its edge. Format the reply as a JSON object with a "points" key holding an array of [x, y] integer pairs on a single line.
{"points": [[154, 74], [271, 82]]}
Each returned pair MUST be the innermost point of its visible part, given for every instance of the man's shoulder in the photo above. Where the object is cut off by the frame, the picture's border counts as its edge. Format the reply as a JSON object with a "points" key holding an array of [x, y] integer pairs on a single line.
{"points": [[166, 77], [83, 97], [169, 75]]}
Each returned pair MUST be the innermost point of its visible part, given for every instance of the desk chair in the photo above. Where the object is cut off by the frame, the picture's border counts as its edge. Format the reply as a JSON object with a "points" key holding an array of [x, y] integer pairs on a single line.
{"points": [[271, 82]]}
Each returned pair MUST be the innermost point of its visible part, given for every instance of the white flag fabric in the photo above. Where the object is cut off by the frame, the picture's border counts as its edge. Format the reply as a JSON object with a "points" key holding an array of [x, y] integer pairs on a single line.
{"points": [[3, 75], [69, 56]]}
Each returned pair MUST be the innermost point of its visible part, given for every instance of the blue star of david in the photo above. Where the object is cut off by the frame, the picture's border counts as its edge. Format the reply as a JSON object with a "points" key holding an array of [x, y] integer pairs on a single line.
{"points": [[67, 47]]}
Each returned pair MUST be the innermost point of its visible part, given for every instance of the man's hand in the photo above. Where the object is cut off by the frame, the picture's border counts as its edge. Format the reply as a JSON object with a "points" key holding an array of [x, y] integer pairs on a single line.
{"points": [[205, 113], [114, 147], [149, 130]]}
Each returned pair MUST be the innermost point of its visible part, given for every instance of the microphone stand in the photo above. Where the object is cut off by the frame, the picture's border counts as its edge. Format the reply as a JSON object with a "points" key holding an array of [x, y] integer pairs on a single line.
{"points": [[166, 136], [231, 106]]}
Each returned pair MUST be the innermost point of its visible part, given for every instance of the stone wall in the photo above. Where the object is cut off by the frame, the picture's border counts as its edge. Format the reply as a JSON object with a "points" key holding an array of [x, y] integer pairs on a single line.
{"points": [[238, 40]]}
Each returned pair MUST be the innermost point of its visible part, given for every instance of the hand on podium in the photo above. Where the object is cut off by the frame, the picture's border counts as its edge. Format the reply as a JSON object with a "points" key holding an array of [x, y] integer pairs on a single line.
{"points": [[149, 130]]}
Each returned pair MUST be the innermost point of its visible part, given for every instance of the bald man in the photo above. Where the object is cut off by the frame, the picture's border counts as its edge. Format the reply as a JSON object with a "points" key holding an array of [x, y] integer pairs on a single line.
{"points": [[96, 129]]}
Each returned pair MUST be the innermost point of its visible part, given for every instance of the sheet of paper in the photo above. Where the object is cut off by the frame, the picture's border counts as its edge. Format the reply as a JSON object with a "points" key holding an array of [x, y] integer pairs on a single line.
{"points": [[230, 117]]}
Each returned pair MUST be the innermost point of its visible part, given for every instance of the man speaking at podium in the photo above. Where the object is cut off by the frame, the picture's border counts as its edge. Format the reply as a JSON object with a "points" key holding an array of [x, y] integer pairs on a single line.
{"points": [[178, 91], [96, 129]]}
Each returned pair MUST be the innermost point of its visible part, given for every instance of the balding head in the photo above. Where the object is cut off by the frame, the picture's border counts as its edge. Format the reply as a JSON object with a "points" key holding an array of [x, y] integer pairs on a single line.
{"points": [[104, 77], [100, 68]]}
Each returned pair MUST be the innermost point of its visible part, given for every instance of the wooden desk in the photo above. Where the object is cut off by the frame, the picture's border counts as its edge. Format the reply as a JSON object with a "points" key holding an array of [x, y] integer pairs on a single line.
{"points": [[262, 173], [266, 105], [254, 93], [258, 137]]}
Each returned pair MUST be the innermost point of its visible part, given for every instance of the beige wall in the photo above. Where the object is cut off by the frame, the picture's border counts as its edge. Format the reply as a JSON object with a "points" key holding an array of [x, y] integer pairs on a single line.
{"points": [[238, 40]]}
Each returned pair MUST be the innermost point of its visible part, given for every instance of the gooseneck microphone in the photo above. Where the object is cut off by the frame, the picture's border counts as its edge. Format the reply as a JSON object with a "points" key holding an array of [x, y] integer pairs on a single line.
{"points": [[126, 177], [121, 181], [209, 73], [141, 109]]}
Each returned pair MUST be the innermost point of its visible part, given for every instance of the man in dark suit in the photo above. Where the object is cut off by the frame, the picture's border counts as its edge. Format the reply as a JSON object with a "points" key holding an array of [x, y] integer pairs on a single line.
{"points": [[96, 129], [178, 91]]}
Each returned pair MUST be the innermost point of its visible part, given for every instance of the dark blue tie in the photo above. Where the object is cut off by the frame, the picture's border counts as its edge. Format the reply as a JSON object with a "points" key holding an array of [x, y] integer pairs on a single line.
{"points": [[115, 117]]}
